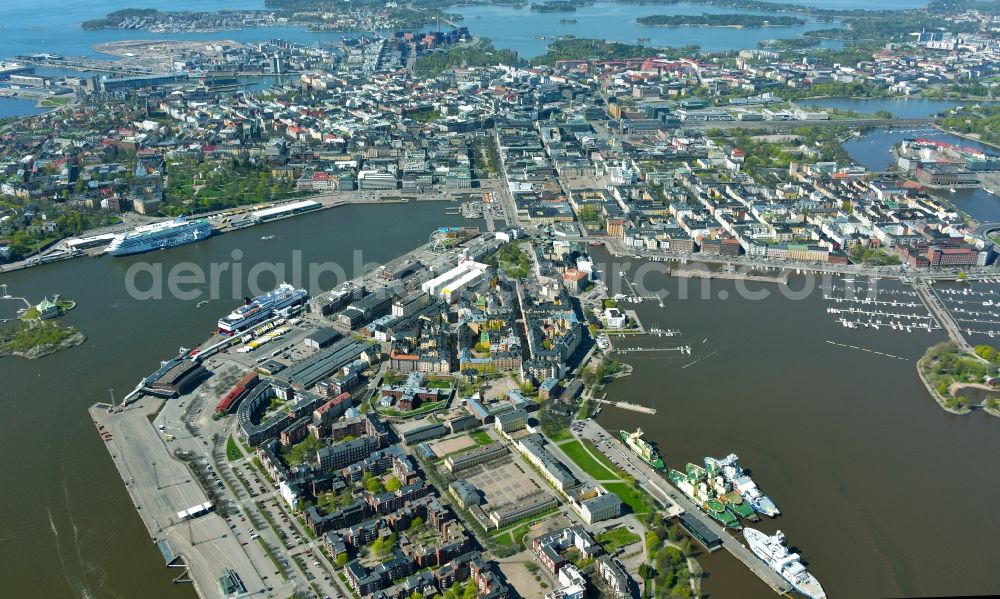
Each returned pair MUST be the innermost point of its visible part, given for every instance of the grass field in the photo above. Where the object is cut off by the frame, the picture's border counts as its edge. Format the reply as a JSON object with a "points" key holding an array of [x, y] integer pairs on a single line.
{"points": [[576, 452], [513, 537], [635, 498], [561, 435], [481, 437], [618, 537], [233, 451]]}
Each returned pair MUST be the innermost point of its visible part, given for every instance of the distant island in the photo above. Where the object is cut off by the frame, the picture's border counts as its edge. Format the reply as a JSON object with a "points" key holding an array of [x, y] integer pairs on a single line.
{"points": [[721, 20], [555, 6]]}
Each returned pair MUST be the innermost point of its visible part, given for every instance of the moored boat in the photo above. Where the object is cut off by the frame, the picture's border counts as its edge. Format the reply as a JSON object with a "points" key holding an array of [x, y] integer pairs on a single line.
{"points": [[741, 482], [773, 552], [736, 504], [718, 512], [284, 297], [642, 448], [159, 236]]}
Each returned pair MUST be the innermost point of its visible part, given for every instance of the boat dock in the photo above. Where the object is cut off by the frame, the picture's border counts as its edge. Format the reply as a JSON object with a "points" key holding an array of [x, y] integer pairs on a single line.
{"points": [[933, 303], [733, 544], [684, 349], [632, 407]]}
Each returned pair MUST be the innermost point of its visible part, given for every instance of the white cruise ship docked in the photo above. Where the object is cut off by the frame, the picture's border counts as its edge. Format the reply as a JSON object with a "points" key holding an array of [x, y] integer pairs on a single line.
{"points": [[773, 552], [260, 308], [158, 236]]}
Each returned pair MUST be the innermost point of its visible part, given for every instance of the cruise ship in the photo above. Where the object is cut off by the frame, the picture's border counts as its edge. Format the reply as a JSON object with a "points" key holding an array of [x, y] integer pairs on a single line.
{"points": [[734, 474], [773, 552], [260, 308], [642, 448], [159, 236]]}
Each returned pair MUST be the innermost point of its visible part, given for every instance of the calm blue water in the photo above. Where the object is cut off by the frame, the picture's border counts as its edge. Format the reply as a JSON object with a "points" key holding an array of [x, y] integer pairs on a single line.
{"points": [[872, 151], [18, 107], [54, 26], [521, 28], [852, 4], [905, 108]]}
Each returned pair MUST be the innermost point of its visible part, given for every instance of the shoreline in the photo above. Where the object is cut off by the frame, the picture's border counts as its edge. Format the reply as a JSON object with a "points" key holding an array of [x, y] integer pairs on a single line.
{"points": [[325, 201], [77, 337], [966, 136], [921, 363], [956, 387]]}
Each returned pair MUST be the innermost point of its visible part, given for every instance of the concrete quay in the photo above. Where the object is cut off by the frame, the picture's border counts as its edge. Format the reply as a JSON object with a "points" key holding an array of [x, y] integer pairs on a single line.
{"points": [[642, 472], [160, 486]]}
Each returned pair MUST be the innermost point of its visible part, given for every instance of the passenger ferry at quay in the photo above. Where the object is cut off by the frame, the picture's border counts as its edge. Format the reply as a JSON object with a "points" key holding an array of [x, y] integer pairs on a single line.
{"points": [[158, 236], [261, 308]]}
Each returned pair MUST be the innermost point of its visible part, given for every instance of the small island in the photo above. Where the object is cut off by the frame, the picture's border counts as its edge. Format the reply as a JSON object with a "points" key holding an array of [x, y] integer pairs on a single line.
{"points": [[36, 338], [554, 6], [720, 20], [946, 370], [37, 334]]}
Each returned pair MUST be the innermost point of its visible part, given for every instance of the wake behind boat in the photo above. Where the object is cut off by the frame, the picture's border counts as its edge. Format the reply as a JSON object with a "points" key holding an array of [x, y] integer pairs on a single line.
{"points": [[772, 551]]}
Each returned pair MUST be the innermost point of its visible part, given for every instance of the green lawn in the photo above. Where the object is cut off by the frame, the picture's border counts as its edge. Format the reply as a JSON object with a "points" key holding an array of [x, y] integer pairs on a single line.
{"points": [[513, 536], [576, 452], [54, 102], [618, 537], [481, 437], [635, 498], [233, 451], [561, 435]]}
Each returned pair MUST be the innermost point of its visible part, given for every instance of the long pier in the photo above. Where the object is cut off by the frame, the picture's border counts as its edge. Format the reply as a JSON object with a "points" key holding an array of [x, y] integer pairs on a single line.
{"points": [[941, 314], [684, 349], [632, 407]]}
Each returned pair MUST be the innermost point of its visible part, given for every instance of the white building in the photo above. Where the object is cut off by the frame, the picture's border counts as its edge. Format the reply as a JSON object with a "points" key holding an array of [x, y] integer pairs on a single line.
{"points": [[613, 318]]}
